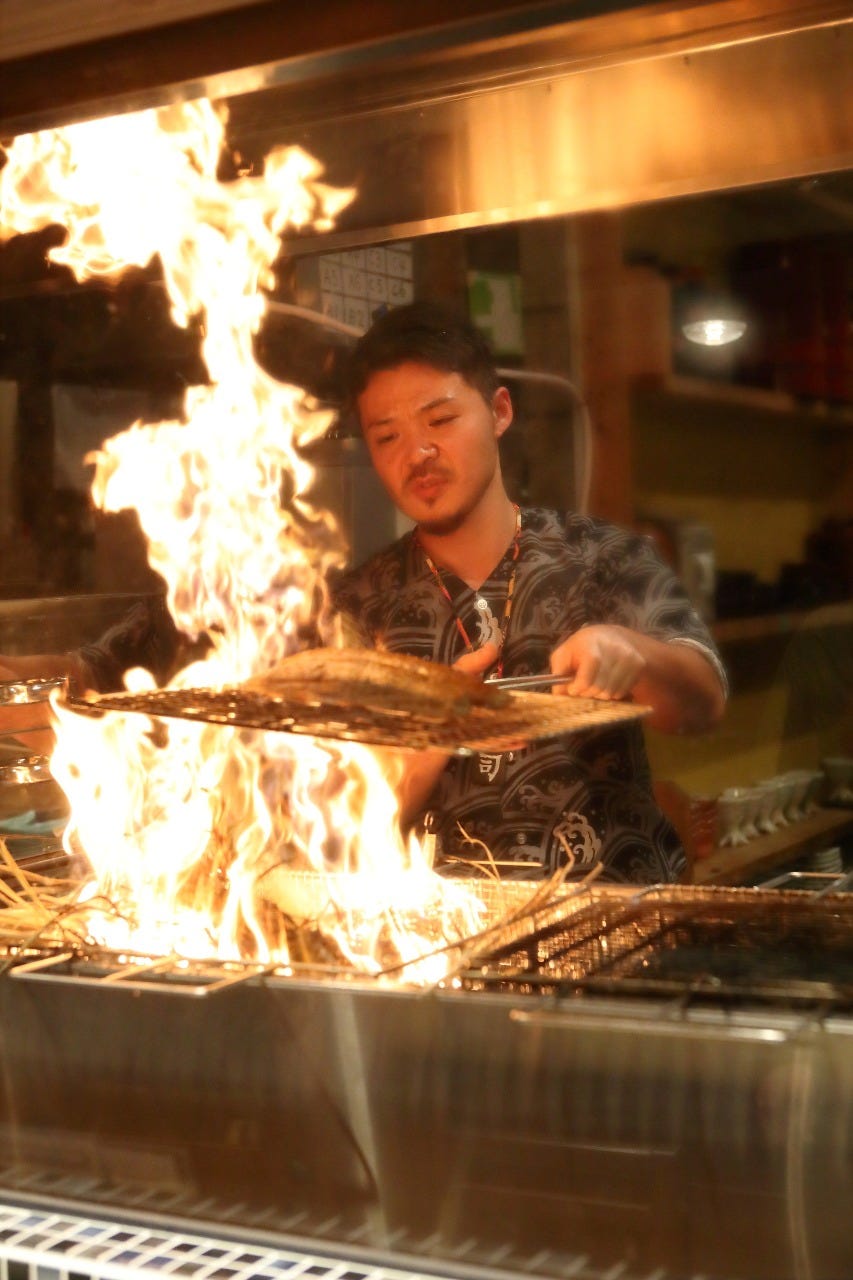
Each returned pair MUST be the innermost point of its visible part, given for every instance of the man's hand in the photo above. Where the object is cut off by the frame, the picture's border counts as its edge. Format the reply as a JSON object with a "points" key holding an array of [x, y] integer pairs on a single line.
{"points": [[604, 660], [678, 683], [478, 662]]}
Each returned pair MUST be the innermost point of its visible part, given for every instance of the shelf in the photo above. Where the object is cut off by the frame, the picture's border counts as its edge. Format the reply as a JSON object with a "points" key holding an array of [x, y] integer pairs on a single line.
{"points": [[731, 866], [780, 624], [755, 400]]}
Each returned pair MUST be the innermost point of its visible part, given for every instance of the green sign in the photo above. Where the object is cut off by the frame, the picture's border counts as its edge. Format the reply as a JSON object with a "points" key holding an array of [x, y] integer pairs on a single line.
{"points": [[494, 303]]}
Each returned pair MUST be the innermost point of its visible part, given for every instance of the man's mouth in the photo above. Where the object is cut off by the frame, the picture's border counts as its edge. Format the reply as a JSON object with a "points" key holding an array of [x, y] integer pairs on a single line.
{"points": [[427, 484]]}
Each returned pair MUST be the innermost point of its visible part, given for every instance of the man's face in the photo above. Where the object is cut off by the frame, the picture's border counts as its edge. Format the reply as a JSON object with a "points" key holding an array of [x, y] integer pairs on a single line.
{"points": [[433, 440]]}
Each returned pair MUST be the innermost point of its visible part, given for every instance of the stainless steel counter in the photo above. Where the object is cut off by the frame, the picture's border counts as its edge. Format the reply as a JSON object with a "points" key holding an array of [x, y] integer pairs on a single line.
{"points": [[527, 1134]]}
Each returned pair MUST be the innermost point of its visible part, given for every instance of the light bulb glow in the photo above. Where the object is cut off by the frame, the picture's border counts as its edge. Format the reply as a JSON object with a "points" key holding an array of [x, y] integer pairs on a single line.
{"points": [[715, 332]]}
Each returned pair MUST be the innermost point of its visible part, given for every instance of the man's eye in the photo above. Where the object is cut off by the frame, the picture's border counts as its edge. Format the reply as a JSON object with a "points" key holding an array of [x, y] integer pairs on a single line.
{"points": [[384, 439], [441, 422]]}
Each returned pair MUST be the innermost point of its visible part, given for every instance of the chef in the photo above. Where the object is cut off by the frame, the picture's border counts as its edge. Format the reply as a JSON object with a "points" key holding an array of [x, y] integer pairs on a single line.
{"points": [[496, 589]]}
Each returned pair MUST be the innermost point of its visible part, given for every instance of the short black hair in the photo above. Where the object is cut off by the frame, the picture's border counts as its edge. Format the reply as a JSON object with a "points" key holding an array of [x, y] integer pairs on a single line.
{"points": [[427, 332]]}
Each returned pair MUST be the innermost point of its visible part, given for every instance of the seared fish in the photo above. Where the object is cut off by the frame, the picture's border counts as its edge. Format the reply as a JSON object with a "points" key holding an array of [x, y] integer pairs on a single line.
{"points": [[376, 678]]}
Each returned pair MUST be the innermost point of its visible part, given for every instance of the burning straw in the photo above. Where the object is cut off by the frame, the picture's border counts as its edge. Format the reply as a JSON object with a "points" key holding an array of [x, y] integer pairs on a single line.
{"points": [[39, 911], [45, 911]]}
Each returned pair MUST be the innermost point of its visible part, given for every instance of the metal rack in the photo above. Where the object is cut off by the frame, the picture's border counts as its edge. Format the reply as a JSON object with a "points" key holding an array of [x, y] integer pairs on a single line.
{"points": [[784, 948], [35, 1243]]}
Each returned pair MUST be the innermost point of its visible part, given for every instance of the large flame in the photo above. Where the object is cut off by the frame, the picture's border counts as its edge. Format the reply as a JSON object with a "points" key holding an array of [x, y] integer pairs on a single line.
{"points": [[193, 831]]}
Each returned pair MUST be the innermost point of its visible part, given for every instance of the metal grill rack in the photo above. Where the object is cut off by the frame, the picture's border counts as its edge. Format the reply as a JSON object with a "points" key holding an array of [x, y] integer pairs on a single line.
{"points": [[718, 943], [36, 1243], [524, 717], [40, 1244], [170, 974]]}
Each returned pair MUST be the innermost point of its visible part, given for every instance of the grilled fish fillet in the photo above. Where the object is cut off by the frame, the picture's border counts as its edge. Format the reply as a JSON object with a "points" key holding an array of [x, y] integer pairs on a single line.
{"points": [[376, 678]]}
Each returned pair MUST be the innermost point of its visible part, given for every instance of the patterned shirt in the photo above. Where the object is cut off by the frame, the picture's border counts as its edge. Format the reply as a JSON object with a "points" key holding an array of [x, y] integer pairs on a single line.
{"points": [[586, 795]]}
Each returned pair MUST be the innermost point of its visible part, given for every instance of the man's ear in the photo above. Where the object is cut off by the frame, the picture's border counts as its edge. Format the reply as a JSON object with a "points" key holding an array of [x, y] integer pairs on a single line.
{"points": [[502, 411]]}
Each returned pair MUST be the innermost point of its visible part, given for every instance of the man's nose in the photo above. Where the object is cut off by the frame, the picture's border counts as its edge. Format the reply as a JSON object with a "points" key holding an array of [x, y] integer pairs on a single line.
{"points": [[423, 449]]}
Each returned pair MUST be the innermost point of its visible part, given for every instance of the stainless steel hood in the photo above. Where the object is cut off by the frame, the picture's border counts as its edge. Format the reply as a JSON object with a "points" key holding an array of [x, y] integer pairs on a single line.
{"points": [[443, 120]]}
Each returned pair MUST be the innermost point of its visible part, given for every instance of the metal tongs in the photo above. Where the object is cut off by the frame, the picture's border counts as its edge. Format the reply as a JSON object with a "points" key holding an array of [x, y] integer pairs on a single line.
{"points": [[529, 682]]}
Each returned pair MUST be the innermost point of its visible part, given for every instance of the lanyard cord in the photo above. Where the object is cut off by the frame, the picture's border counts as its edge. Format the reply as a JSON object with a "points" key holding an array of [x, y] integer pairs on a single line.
{"points": [[510, 588]]}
